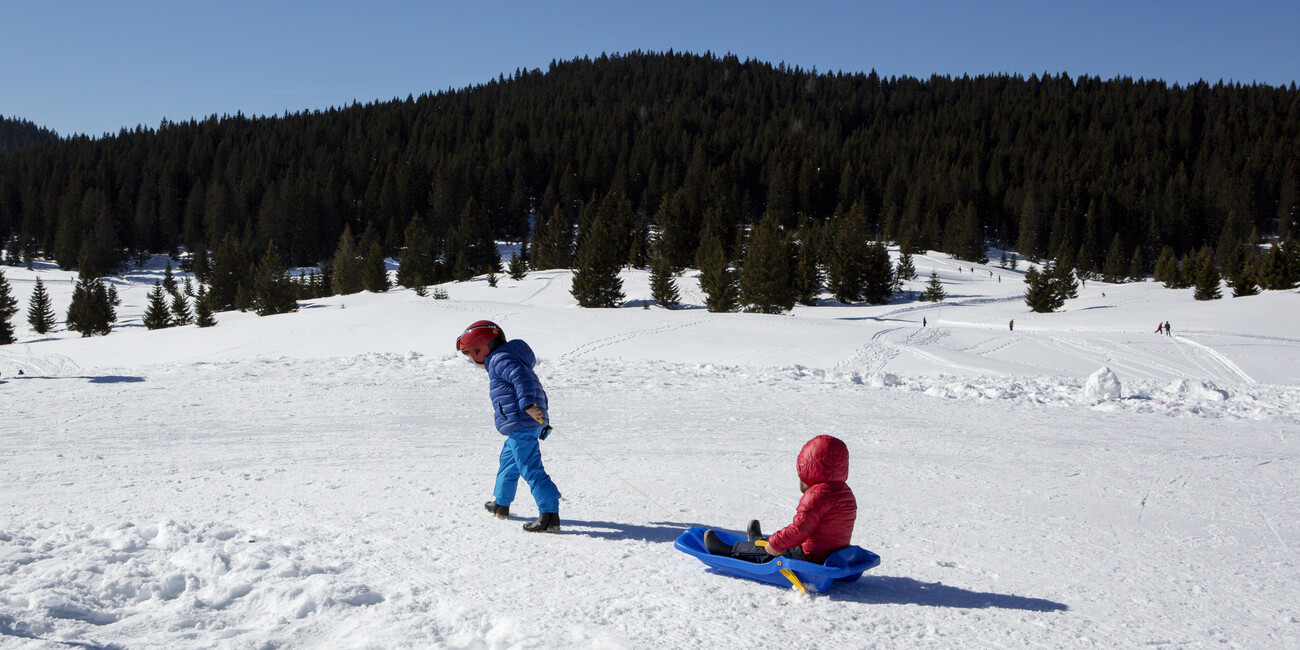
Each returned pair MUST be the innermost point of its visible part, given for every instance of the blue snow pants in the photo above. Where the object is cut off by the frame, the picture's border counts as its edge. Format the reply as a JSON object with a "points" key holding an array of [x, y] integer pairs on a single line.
{"points": [[521, 455]]}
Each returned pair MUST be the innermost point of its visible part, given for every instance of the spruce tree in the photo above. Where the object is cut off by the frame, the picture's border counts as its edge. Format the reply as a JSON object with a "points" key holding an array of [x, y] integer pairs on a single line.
{"points": [[181, 312], [169, 280], [1137, 266], [8, 307], [717, 281], [1207, 276], [934, 289], [595, 275], [417, 265], [516, 267], [878, 276], [767, 276], [349, 275], [907, 268], [273, 290], [1240, 272], [663, 288], [1063, 283], [156, 314], [846, 268], [40, 310], [1113, 270], [203, 309], [91, 311], [375, 268], [1041, 296]]}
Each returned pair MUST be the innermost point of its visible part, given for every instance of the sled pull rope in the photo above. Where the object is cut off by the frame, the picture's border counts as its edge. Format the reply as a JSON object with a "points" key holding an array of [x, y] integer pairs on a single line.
{"points": [[629, 483]]}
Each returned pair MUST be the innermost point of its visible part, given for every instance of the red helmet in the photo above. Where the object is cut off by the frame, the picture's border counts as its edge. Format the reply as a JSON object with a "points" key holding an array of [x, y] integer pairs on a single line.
{"points": [[480, 339]]}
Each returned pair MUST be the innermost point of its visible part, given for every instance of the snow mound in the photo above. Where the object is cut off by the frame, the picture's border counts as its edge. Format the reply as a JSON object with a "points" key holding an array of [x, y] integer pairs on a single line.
{"points": [[1102, 385], [1195, 390]]}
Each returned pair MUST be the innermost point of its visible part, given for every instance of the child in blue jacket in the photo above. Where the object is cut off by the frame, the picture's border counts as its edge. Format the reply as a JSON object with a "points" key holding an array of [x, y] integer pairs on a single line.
{"points": [[519, 407]]}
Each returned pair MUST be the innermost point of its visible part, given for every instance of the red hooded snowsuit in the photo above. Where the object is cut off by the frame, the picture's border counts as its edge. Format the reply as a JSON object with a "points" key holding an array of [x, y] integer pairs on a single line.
{"points": [[824, 519]]}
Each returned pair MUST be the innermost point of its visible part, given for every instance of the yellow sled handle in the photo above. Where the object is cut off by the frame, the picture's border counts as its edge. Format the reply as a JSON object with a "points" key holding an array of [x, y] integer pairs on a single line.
{"points": [[788, 573]]}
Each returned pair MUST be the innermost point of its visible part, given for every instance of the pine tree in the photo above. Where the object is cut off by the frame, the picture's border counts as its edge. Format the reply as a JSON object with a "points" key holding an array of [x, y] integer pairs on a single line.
{"points": [[203, 309], [1207, 276], [181, 313], [716, 278], [846, 270], [8, 307], [1137, 266], [417, 267], [595, 275], [906, 267], [1113, 270], [273, 290], [516, 267], [91, 312], [348, 276], [169, 280], [663, 288], [767, 277], [1167, 268], [375, 268], [934, 290], [1042, 296], [40, 310], [156, 314], [1240, 273], [878, 274], [1063, 283]]}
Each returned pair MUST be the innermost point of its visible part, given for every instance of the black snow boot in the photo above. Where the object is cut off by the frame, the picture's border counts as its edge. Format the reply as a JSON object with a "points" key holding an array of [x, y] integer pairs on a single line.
{"points": [[547, 522], [754, 533], [500, 511], [714, 544]]}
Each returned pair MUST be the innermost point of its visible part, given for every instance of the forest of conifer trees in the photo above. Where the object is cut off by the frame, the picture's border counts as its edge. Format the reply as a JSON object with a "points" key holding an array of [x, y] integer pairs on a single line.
{"points": [[1107, 177]]}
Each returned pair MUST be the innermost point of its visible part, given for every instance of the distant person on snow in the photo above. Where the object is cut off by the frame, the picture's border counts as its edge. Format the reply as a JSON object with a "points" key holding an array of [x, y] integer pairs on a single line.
{"points": [[519, 406], [823, 521], [1012, 325], [1160, 328], [1169, 329]]}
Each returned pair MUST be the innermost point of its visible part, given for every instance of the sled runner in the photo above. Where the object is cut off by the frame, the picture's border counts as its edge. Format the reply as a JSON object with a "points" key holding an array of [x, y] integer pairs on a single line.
{"points": [[846, 564]]}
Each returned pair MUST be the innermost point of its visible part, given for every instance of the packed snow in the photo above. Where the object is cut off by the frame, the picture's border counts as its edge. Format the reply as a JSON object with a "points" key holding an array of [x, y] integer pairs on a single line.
{"points": [[317, 479]]}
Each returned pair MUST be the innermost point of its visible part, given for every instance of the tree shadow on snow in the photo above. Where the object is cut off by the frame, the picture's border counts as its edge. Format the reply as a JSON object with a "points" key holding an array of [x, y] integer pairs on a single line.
{"points": [[883, 590], [659, 531]]}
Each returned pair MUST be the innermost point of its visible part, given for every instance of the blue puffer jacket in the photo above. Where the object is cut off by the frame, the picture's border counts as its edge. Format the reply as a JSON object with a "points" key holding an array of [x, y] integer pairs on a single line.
{"points": [[513, 387]]}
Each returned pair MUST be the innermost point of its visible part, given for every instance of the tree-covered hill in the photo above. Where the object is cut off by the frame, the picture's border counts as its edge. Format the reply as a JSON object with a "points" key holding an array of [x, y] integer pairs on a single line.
{"points": [[1046, 163], [17, 135]]}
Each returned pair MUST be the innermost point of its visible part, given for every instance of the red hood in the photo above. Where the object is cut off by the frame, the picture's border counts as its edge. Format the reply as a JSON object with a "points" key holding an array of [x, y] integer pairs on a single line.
{"points": [[823, 459]]}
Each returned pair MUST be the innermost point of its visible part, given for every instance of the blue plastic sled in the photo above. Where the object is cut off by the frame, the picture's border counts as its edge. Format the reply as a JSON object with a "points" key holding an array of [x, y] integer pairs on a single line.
{"points": [[846, 564]]}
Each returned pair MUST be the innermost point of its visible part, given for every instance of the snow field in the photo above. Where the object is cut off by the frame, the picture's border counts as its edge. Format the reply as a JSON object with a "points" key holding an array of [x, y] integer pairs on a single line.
{"points": [[317, 479]]}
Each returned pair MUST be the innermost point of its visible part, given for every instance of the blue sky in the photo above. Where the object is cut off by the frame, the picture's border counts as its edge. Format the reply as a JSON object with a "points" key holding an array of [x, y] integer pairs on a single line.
{"points": [[95, 67]]}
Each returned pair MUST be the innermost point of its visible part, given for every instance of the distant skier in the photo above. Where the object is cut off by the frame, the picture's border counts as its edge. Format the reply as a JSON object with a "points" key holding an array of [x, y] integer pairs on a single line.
{"points": [[1160, 328], [519, 406], [1012, 325], [923, 321], [823, 521], [1169, 329]]}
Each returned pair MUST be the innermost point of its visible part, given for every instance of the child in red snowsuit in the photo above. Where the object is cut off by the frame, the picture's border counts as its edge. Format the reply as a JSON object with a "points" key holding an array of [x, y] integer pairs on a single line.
{"points": [[823, 522]]}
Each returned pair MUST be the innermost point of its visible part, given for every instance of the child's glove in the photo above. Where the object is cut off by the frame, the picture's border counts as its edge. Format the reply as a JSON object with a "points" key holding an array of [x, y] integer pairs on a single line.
{"points": [[546, 431]]}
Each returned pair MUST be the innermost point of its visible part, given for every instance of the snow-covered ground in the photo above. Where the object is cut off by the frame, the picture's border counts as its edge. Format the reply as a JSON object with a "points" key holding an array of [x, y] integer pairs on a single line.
{"points": [[316, 479]]}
